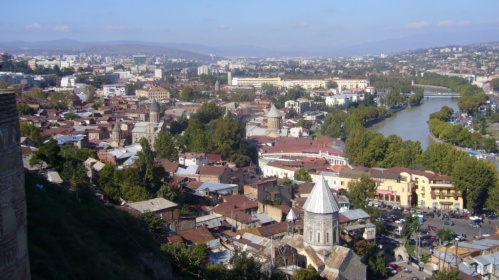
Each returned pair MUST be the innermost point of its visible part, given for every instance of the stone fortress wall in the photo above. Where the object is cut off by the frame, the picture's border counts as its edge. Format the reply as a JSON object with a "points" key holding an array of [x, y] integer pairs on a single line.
{"points": [[14, 261]]}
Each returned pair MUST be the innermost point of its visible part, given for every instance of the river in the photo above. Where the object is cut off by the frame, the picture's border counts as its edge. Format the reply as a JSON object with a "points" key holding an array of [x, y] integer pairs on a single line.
{"points": [[410, 123]]}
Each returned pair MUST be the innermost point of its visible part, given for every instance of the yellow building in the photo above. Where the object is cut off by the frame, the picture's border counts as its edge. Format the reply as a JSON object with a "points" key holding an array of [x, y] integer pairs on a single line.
{"points": [[392, 188], [158, 93], [430, 190]]}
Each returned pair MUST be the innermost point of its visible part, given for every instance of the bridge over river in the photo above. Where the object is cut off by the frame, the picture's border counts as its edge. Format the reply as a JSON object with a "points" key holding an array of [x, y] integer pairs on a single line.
{"points": [[437, 92]]}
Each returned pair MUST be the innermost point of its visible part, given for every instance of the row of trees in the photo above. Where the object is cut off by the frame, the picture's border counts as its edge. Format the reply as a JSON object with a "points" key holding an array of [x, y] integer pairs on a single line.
{"points": [[457, 134], [471, 95], [208, 132]]}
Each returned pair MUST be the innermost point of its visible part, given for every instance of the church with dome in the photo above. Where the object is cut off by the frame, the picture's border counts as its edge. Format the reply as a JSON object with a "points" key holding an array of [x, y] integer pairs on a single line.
{"points": [[320, 242], [149, 130]]}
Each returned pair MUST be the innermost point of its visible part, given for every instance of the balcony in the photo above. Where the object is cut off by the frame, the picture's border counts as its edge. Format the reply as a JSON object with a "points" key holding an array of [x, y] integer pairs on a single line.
{"points": [[441, 195]]}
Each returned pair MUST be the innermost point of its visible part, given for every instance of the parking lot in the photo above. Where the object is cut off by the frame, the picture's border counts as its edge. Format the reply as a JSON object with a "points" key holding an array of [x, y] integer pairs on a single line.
{"points": [[459, 226]]}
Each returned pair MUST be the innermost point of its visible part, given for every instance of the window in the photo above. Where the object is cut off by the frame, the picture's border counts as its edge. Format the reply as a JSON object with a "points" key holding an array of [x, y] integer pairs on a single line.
{"points": [[310, 235], [327, 237], [318, 237]]}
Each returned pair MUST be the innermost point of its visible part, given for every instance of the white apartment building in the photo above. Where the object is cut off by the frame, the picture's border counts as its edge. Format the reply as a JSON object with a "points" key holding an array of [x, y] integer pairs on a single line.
{"points": [[344, 84], [306, 84], [114, 90], [301, 105], [189, 159], [158, 74], [68, 81], [338, 100], [257, 82], [205, 69]]}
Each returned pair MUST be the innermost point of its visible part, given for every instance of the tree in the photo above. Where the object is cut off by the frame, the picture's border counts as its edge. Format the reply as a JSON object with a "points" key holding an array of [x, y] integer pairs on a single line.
{"points": [[154, 223], [411, 225], [172, 194], [187, 94], [24, 109], [49, 153], [188, 260], [90, 91], [376, 264], [474, 178], [446, 274], [331, 84], [208, 112], [444, 234], [244, 266], [107, 182], [131, 185], [495, 84], [145, 163], [34, 133], [308, 273], [361, 190], [165, 146], [361, 247], [302, 175], [492, 202], [74, 173]]}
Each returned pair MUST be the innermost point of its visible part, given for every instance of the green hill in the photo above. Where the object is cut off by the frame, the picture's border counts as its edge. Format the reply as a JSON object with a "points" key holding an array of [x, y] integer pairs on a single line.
{"points": [[82, 239]]}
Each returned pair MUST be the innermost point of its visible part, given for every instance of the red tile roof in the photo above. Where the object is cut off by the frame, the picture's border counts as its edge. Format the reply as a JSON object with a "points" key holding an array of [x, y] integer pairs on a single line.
{"points": [[197, 235]]}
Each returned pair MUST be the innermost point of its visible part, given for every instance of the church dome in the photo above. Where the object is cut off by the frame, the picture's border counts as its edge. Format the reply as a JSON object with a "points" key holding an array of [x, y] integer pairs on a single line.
{"points": [[273, 112], [154, 106]]}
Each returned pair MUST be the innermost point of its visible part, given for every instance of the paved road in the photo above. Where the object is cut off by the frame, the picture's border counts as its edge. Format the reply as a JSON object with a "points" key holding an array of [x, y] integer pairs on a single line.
{"points": [[460, 226]]}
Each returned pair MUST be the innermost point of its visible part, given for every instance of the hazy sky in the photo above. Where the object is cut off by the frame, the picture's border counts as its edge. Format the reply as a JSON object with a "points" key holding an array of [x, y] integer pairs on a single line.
{"points": [[273, 24]]}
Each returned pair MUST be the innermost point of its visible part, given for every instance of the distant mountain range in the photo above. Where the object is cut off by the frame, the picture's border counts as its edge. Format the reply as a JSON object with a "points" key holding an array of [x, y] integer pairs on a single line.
{"points": [[203, 53]]}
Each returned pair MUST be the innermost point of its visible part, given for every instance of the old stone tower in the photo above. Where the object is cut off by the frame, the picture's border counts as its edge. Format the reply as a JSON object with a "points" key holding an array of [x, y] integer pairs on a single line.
{"points": [[14, 261]]}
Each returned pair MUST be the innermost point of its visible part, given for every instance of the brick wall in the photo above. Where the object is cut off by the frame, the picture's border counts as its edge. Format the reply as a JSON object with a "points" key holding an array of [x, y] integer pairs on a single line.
{"points": [[14, 261]]}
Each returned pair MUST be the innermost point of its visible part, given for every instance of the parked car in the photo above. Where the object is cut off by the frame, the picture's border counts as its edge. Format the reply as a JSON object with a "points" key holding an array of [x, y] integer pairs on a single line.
{"points": [[460, 238], [429, 215], [400, 221], [448, 223], [412, 242], [476, 218], [475, 225], [391, 271], [395, 266]]}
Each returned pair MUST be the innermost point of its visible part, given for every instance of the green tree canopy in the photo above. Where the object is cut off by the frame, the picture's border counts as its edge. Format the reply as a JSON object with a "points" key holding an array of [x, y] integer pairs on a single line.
{"points": [[308, 273], [361, 190], [474, 178], [411, 225], [302, 175], [154, 223], [165, 146]]}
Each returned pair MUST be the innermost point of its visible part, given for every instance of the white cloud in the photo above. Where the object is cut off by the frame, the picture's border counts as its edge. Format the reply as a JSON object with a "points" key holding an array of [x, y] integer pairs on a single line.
{"points": [[114, 27], [62, 28], [34, 26], [417, 25], [452, 23]]}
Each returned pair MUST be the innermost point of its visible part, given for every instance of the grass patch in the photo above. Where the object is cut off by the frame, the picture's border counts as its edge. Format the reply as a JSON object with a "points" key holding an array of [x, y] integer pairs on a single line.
{"points": [[411, 250], [68, 239]]}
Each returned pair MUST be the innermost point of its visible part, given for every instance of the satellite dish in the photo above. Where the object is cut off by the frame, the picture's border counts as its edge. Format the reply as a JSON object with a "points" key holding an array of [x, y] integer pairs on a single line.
{"points": [[238, 237]]}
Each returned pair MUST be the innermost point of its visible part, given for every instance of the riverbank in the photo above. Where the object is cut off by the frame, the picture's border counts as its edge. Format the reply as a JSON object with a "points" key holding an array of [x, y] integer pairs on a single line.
{"points": [[392, 111], [411, 123], [477, 154]]}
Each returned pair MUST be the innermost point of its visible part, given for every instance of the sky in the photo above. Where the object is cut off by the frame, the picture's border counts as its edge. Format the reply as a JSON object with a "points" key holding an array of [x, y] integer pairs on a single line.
{"points": [[272, 24]]}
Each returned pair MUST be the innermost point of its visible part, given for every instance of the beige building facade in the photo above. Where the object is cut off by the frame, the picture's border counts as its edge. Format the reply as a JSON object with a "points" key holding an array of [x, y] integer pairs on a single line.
{"points": [[158, 93]]}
